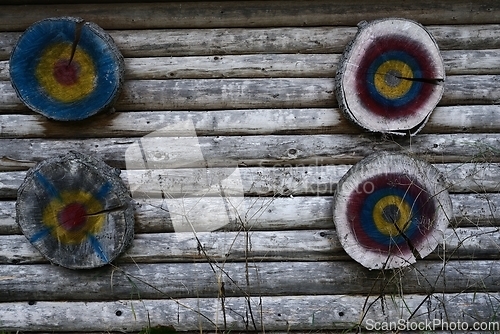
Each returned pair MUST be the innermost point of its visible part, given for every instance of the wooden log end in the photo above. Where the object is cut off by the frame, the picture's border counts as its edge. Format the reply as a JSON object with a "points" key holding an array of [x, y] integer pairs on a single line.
{"points": [[391, 209], [76, 210], [66, 69], [390, 76]]}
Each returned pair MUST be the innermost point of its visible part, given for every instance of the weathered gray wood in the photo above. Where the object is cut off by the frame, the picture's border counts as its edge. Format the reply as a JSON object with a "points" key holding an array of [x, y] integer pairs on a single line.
{"points": [[452, 119], [480, 178], [289, 313], [262, 13], [276, 65], [207, 94], [185, 280], [76, 211], [271, 150], [306, 245], [275, 213], [210, 42]]}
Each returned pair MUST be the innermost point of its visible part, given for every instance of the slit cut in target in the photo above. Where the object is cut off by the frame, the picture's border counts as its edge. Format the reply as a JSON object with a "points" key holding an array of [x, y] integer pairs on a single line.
{"points": [[390, 209], [390, 77], [76, 211], [66, 69]]}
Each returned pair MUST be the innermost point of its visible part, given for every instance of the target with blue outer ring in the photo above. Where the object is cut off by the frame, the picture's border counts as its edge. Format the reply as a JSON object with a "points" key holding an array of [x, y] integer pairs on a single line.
{"points": [[390, 76], [76, 211], [390, 209], [66, 69]]}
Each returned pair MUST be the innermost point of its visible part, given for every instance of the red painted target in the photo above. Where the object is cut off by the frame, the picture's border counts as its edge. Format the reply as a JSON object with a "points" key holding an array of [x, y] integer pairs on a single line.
{"points": [[390, 77], [76, 211], [391, 209]]}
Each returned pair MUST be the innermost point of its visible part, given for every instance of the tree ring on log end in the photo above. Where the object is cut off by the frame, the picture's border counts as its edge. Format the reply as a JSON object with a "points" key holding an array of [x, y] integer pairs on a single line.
{"points": [[390, 77], [390, 209], [66, 69], [76, 210]]}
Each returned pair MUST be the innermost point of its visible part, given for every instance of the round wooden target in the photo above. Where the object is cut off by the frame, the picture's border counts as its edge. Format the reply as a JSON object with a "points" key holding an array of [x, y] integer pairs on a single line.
{"points": [[390, 209], [76, 211], [390, 77], [66, 69]]}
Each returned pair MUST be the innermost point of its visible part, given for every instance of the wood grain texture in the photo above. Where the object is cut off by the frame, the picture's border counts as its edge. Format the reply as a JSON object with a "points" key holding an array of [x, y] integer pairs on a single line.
{"points": [[225, 41], [256, 80], [255, 313], [280, 181], [260, 13], [211, 94], [190, 280], [444, 120], [473, 243], [266, 151], [274, 213], [276, 65]]}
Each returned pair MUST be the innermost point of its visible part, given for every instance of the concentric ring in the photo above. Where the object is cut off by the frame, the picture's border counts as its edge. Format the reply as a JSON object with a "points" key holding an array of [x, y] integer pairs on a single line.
{"points": [[66, 69], [389, 209], [400, 61], [390, 77], [76, 211], [398, 213]]}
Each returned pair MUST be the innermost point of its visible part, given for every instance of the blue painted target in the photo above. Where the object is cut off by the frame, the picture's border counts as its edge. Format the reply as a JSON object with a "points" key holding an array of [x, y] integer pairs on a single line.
{"points": [[76, 211], [66, 69], [391, 77], [390, 208]]}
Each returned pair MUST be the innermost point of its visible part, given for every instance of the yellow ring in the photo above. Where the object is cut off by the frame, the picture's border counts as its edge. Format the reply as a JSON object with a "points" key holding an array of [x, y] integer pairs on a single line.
{"points": [[93, 224], [402, 87], [66, 93], [392, 228]]}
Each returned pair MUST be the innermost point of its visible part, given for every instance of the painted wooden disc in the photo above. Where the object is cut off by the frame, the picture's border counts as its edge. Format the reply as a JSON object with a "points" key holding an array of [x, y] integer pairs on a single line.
{"points": [[76, 211], [390, 209], [390, 76], [66, 69]]}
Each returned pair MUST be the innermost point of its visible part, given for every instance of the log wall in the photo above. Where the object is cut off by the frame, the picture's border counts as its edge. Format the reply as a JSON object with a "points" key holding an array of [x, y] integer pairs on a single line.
{"points": [[255, 79]]}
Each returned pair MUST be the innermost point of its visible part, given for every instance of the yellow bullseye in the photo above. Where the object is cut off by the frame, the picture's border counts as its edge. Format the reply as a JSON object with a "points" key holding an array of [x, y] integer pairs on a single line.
{"points": [[399, 219], [63, 81], [92, 224], [388, 79]]}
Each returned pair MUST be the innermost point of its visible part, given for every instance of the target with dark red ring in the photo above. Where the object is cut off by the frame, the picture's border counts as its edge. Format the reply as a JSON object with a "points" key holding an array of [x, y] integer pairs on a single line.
{"points": [[395, 49], [66, 68], [390, 76], [389, 209], [399, 192]]}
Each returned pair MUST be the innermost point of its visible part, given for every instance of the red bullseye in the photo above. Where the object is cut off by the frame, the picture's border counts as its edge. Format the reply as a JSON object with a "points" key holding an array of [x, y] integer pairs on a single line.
{"points": [[66, 74], [73, 217]]}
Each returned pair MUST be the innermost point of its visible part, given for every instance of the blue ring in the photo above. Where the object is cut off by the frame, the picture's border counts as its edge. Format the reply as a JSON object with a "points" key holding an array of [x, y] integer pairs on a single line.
{"points": [[368, 224], [29, 50], [415, 87]]}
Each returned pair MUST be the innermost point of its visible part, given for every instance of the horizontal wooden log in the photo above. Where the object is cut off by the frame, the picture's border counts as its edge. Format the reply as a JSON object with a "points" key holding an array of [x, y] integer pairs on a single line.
{"points": [[210, 94], [480, 178], [44, 282], [224, 41], [307, 245], [452, 119], [272, 213], [253, 14], [263, 151], [302, 313], [276, 65]]}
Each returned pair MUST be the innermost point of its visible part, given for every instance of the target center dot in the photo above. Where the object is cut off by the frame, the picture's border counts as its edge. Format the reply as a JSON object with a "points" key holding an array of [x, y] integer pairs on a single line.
{"points": [[392, 78], [73, 217], [66, 73], [391, 213]]}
